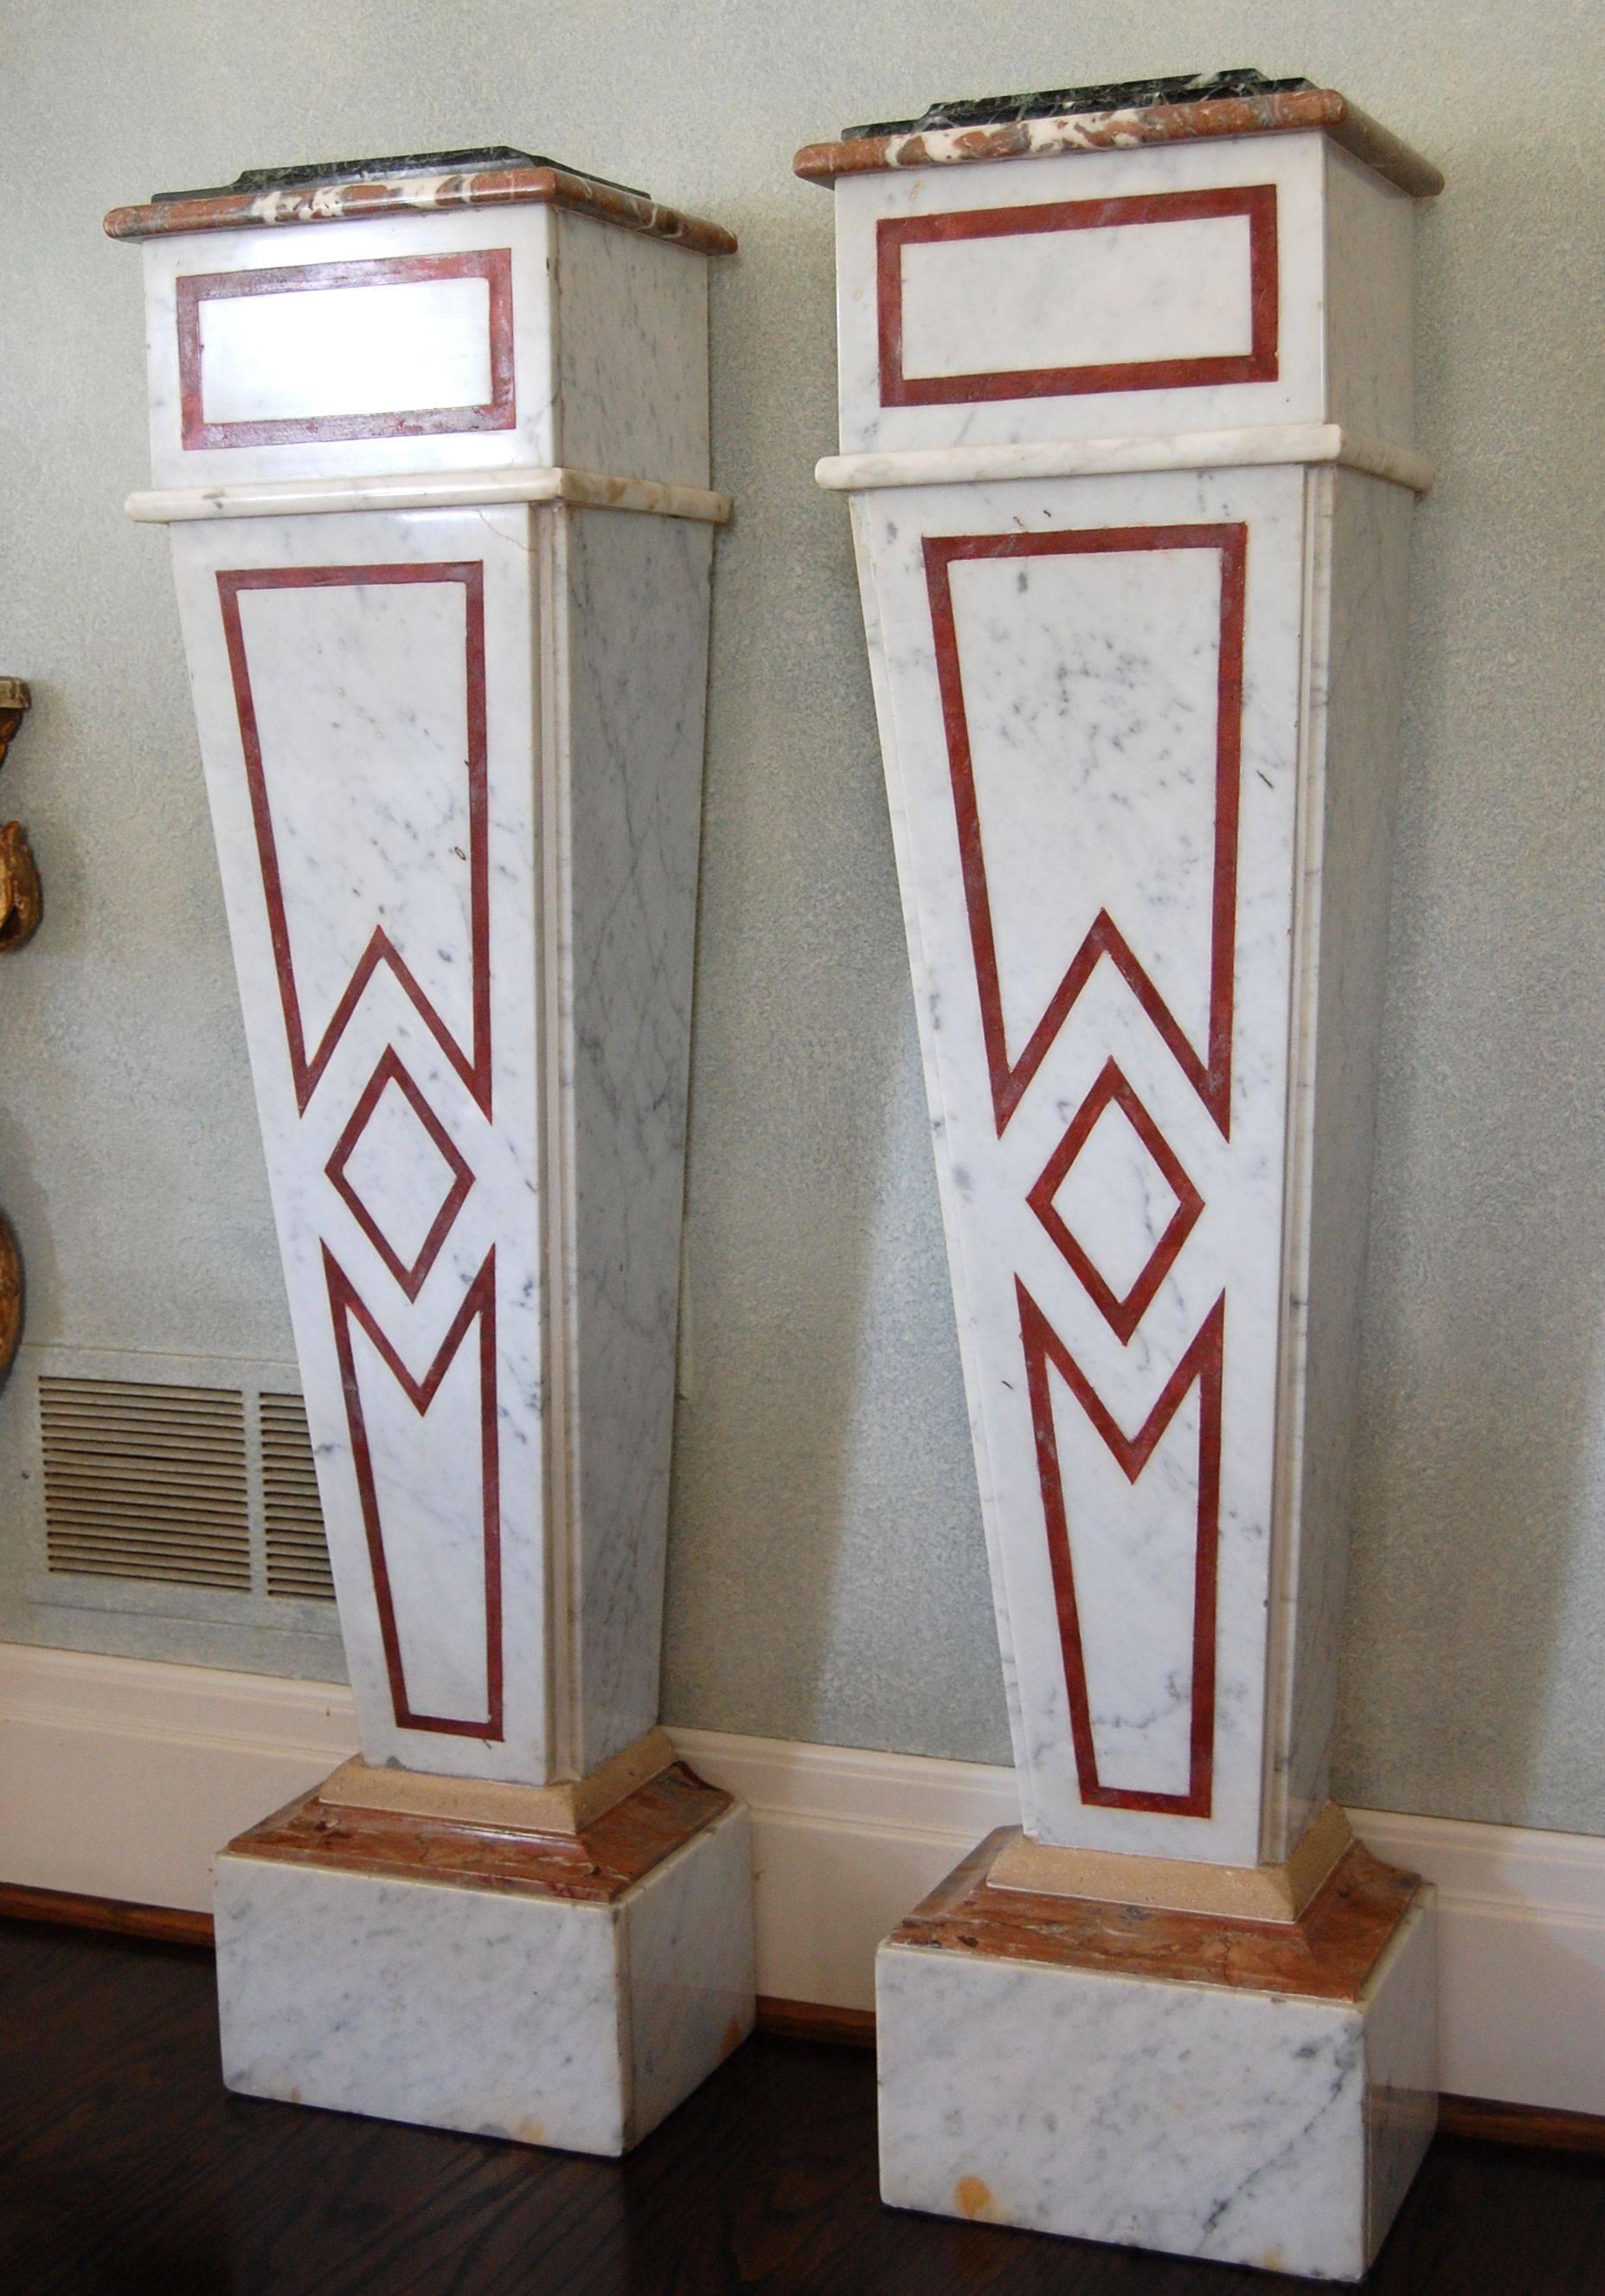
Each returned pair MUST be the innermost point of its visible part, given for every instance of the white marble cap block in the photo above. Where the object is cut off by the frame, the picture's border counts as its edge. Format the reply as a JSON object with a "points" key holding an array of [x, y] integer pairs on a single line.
{"points": [[1254, 281], [490, 337]]}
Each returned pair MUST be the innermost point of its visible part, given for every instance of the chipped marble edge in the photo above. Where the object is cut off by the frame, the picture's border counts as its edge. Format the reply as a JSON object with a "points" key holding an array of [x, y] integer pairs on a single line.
{"points": [[1184, 450], [409, 490], [412, 194], [1128, 130]]}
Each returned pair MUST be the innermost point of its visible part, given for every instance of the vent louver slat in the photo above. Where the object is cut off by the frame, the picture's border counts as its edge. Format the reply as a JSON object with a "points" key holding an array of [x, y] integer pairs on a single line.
{"points": [[298, 1554], [145, 1482]]}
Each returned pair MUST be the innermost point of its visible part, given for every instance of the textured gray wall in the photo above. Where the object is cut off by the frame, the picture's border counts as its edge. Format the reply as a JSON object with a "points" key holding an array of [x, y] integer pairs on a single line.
{"points": [[827, 1577]]}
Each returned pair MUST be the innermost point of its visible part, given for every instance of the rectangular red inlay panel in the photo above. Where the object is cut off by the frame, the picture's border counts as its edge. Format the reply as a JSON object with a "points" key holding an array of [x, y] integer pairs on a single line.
{"points": [[1258, 364], [499, 412]]}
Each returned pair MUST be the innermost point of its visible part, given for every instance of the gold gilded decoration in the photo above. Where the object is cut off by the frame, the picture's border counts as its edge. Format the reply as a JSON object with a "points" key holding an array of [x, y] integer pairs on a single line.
{"points": [[11, 1298], [20, 907], [20, 900], [20, 896], [14, 700]]}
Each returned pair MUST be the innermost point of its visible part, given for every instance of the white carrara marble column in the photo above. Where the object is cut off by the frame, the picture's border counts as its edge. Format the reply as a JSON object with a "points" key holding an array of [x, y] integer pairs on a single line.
{"points": [[1125, 424], [431, 440]]}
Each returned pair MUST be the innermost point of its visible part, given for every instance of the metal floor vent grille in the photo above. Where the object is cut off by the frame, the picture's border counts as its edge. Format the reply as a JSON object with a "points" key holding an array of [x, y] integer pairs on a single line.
{"points": [[165, 1484], [298, 1554], [145, 1482]]}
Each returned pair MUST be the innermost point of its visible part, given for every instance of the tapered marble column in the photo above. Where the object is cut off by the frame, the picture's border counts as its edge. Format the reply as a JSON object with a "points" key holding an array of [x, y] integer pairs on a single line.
{"points": [[431, 440], [1125, 390]]}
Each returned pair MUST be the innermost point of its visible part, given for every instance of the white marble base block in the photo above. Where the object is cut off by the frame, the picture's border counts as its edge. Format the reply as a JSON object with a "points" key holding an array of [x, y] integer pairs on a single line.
{"points": [[495, 2005], [1227, 2119]]}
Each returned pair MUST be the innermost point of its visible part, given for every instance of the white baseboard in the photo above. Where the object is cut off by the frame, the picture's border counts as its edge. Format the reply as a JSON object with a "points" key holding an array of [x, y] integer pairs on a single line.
{"points": [[119, 1777]]}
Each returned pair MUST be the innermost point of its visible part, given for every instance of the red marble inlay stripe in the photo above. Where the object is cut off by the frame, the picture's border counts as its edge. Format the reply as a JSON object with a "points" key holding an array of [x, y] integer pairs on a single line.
{"points": [[1210, 1074], [472, 1065], [478, 1306], [391, 1070], [1122, 1314], [1258, 364], [1201, 1366], [499, 412]]}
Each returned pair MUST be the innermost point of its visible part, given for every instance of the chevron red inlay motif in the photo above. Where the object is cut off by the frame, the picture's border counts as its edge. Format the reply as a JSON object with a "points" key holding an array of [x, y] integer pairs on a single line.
{"points": [[1207, 1069], [472, 1062], [478, 1306], [1199, 1367], [1123, 1314], [1210, 1072]]}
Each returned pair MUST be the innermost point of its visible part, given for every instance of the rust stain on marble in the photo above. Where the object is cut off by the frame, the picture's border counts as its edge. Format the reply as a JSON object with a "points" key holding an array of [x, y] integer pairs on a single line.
{"points": [[972, 2197]]}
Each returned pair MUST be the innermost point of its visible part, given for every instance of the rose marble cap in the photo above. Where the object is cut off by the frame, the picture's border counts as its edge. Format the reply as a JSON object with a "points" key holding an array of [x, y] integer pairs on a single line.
{"points": [[335, 191], [1118, 116]]}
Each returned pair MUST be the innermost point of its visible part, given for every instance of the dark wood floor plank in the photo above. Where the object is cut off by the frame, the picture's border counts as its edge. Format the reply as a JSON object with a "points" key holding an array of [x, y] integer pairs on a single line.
{"points": [[126, 2170]]}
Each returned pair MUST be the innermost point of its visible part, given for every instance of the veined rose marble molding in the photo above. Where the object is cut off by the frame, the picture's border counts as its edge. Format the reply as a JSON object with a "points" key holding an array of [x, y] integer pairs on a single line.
{"points": [[1129, 127], [1125, 410], [431, 440], [382, 187]]}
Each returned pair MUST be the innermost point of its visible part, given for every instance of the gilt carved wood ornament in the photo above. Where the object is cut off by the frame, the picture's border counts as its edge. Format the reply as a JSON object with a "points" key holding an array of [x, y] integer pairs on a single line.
{"points": [[20, 907], [20, 897]]}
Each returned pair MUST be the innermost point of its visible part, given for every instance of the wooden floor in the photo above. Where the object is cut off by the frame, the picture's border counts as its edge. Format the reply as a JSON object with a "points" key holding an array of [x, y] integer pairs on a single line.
{"points": [[127, 2171]]}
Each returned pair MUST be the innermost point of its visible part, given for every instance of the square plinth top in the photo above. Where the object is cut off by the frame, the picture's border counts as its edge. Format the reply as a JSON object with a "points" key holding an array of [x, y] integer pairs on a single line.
{"points": [[593, 1867], [1327, 1955], [339, 190], [1153, 111], [1100, 95]]}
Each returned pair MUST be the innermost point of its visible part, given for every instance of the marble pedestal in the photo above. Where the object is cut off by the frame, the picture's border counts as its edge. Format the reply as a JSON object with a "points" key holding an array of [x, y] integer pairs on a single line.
{"points": [[431, 444], [1125, 423], [567, 1993]]}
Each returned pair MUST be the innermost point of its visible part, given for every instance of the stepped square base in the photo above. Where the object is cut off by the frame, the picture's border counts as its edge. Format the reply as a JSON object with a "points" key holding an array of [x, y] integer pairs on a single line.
{"points": [[561, 1991], [1255, 2093]]}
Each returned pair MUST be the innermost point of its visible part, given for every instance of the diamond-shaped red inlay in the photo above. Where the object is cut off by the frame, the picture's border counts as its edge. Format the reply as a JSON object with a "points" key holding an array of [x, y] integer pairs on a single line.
{"points": [[1122, 1313], [459, 1179]]}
